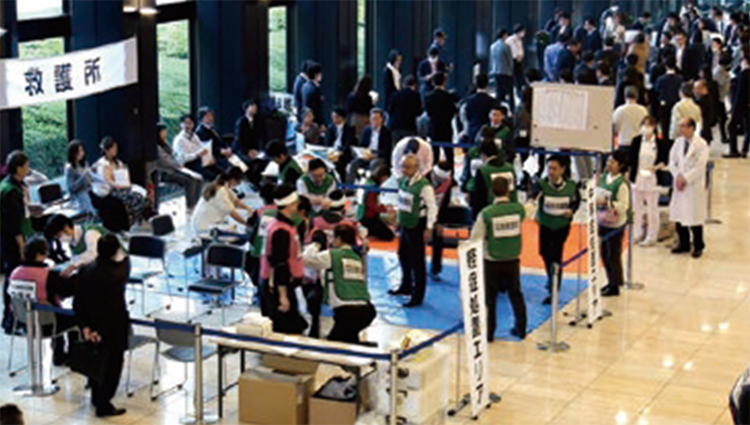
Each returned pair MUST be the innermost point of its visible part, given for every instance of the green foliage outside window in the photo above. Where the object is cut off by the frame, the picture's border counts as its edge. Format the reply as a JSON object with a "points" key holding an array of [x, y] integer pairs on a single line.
{"points": [[174, 73]]}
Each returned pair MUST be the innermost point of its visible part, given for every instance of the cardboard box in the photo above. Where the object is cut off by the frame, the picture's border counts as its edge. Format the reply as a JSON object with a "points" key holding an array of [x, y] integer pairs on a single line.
{"points": [[289, 365], [267, 397], [332, 412]]}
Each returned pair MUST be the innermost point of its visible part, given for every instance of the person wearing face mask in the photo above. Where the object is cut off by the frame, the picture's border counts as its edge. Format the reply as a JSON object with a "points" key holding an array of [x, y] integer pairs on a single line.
{"points": [[614, 211], [648, 156], [80, 238], [219, 202]]}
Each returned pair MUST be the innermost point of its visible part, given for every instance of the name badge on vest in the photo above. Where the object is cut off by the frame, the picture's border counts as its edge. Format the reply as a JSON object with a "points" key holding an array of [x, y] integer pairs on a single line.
{"points": [[405, 201], [508, 176], [556, 205], [263, 226], [24, 289], [353, 269], [507, 226]]}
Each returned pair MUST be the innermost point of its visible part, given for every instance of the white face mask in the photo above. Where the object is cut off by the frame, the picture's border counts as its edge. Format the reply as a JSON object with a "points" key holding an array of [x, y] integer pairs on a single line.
{"points": [[647, 131]]}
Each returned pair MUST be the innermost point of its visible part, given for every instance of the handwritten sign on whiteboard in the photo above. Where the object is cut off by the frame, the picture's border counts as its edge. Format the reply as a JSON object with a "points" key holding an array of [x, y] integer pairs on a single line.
{"points": [[563, 108]]}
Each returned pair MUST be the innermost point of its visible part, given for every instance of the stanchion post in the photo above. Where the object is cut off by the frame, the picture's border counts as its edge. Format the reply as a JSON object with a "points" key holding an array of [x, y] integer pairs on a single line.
{"points": [[552, 345], [393, 419], [36, 385], [199, 417], [629, 283], [709, 209]]}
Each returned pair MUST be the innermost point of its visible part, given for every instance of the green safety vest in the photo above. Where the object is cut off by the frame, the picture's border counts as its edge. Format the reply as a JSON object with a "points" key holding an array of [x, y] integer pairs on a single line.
{"points": [[503, 223], [363, 200], [321, 190], [613, 188], [554, 202], [7, 187], [290, 165], [410, 201], [80, 247], [347, 275], [489, 172]]}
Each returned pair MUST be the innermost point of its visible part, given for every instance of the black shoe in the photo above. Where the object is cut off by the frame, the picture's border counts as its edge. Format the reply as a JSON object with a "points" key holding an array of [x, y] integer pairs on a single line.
{"points": [[111, 411], [548, 300], [743, 154], [412, 303], [435, 276], [681, 250], [698, 253], [731, 155], [610, 291], [398, 291], [518, 333]]}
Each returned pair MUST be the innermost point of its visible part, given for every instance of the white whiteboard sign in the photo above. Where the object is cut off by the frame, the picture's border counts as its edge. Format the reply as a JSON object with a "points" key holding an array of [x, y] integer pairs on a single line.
{"points": [[572, 116]]}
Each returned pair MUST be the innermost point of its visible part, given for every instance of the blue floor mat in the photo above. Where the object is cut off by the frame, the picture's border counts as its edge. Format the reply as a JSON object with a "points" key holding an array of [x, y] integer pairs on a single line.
{"points": [[442, 305]]}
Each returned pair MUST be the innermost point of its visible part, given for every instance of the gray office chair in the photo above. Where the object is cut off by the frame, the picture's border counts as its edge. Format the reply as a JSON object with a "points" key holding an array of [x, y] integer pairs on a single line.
{"points": [[219, 256], [182, 350]]}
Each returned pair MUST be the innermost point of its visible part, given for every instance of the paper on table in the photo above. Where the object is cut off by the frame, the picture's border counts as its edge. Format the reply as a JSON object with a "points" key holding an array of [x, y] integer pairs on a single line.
{"points": [[237, 162]]}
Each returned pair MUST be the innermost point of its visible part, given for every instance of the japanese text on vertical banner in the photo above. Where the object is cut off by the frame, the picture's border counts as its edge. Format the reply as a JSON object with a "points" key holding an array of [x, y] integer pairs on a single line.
{"points": [[471, 266], [593, 254], [69, 76]]}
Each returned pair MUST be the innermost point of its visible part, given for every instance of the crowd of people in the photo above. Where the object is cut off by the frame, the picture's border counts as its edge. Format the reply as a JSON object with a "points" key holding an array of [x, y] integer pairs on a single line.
{"points": [[674, 83]]}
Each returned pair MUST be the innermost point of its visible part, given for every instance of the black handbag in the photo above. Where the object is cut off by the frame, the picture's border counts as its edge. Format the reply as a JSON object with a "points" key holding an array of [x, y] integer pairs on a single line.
{"points": [[88, 359]]}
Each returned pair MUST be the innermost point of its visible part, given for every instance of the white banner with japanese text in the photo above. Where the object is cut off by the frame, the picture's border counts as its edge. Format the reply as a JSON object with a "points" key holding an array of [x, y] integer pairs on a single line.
{"points": [[70, 76], [471, 267], [593, 254]]}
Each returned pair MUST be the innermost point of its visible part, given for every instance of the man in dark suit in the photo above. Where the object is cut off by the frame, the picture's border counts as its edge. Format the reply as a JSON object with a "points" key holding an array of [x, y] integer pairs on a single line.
{"points": [[667, 89], [404, 109], [248, 140], [391, 77], [604, 74], [741, 109], [427, 69], [299, 83], [341, 137], [584, 72], [441, 108], [478, 106], [102, 314], [312, 95], [206, 132], [567, 58], [608, 53], [563, 26], [691, 57], [591, 40], [377, 145]]}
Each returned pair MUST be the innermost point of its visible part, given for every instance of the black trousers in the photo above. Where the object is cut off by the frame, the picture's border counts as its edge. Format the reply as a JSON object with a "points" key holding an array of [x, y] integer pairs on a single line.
{"points": [[611, 250], [683, 234], [411, 257], [192, 186], [377, 229], [290, 322], [504, 276], [349, 321], [505, 89], [740, 122], [58, 344], [11, 258], [209, 173], [721, 114], [314, 299], [103, 392], [449, 154], [665, 118], [551, 244], [518, 77], [436, 265]]}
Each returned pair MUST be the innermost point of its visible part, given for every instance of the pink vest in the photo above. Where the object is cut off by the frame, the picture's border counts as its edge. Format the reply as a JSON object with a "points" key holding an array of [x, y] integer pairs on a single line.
{"points": [[296, 264], [37, 275], [320, 223]]}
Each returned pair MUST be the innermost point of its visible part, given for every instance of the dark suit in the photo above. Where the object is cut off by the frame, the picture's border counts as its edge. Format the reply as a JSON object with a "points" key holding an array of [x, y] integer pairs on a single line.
{"points": [[611, 56], [477, 108], [206, 134], [249, 137], [312, 97], [299, 83], [583, 74], [100, 305], [403, 111], [566, 60], [389, 87], [740, 112], [424, 71], [385, 142], [348, 139], [708, 114], [692, 61], [591, 42], [667, 89], [441, 108]]}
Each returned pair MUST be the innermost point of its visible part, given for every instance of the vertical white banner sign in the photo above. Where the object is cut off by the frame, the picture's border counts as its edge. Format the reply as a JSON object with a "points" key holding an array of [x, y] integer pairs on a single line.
{"points": [[471, 266], [593, 255]]}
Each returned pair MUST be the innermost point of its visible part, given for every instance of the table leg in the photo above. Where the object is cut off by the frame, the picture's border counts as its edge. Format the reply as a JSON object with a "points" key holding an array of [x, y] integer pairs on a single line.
{"points": [[242, 360], [221, 383]]}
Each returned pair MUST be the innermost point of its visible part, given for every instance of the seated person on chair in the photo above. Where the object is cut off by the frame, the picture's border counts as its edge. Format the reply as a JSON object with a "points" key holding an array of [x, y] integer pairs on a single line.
{"points": [[51, 288], [370, 209], [345, 284], [317, 184], [80, 238], [376, 142], [340, 137], [219, 202], [190, 152]]}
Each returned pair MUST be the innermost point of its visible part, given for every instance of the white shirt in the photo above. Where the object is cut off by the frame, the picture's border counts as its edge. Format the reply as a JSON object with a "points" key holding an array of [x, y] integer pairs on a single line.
{"points": [[424, 156], [186, 147], [339, 135], [516, 47], [396, 75], [427, 196], [627, 121], [685, 108], [374, 140], [211, 213]]}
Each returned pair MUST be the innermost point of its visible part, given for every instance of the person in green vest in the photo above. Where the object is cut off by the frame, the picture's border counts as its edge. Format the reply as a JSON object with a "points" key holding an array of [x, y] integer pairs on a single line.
{"points": [[499, 226], [369, 208], [345, 283], [317, 184], [289, 169], [500, 130], [15, 223], [80, 238], [493, 165], [614, 213], [557, 200], [417, 214]]}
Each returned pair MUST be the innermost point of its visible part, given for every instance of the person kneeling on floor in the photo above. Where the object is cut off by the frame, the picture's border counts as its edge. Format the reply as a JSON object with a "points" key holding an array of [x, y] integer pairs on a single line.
{"points": [[345, 283], [499, 226]]}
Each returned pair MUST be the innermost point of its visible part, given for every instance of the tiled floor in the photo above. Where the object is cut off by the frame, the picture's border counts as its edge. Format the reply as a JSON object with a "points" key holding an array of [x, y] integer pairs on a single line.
{"points": [[668, 355]]}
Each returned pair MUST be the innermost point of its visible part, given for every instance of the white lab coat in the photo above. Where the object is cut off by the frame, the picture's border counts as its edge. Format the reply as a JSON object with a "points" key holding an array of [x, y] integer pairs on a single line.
{"points": [[689, 206]]}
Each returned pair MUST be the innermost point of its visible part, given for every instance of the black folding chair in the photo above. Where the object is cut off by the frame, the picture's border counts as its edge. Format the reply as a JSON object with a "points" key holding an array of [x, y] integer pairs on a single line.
{"points": [[162, 226], [136, 341], [151, 248], [221, 257]]}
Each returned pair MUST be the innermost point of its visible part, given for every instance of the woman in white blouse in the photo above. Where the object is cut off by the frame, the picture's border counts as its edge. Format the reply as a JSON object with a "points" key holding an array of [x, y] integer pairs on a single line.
{"points": [[219, 202], [112, 177]]}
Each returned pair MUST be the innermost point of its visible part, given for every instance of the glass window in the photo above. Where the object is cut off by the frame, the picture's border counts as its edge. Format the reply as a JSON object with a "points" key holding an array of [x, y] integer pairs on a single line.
{"points": [[45, 126], [277, 49], [31, 9], [174, 73], [361, 35]]}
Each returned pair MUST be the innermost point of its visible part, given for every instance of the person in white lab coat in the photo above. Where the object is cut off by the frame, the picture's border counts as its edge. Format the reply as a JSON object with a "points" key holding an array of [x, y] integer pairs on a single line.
{"points": [[688, 160]]}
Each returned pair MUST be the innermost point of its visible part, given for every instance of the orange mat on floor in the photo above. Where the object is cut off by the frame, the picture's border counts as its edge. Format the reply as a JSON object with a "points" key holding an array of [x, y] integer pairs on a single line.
{"points": [[530, 254]]}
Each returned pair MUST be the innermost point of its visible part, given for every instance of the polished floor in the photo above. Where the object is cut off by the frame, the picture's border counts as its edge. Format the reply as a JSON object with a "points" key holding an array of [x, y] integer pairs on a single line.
{"points": [[668, 355]]}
